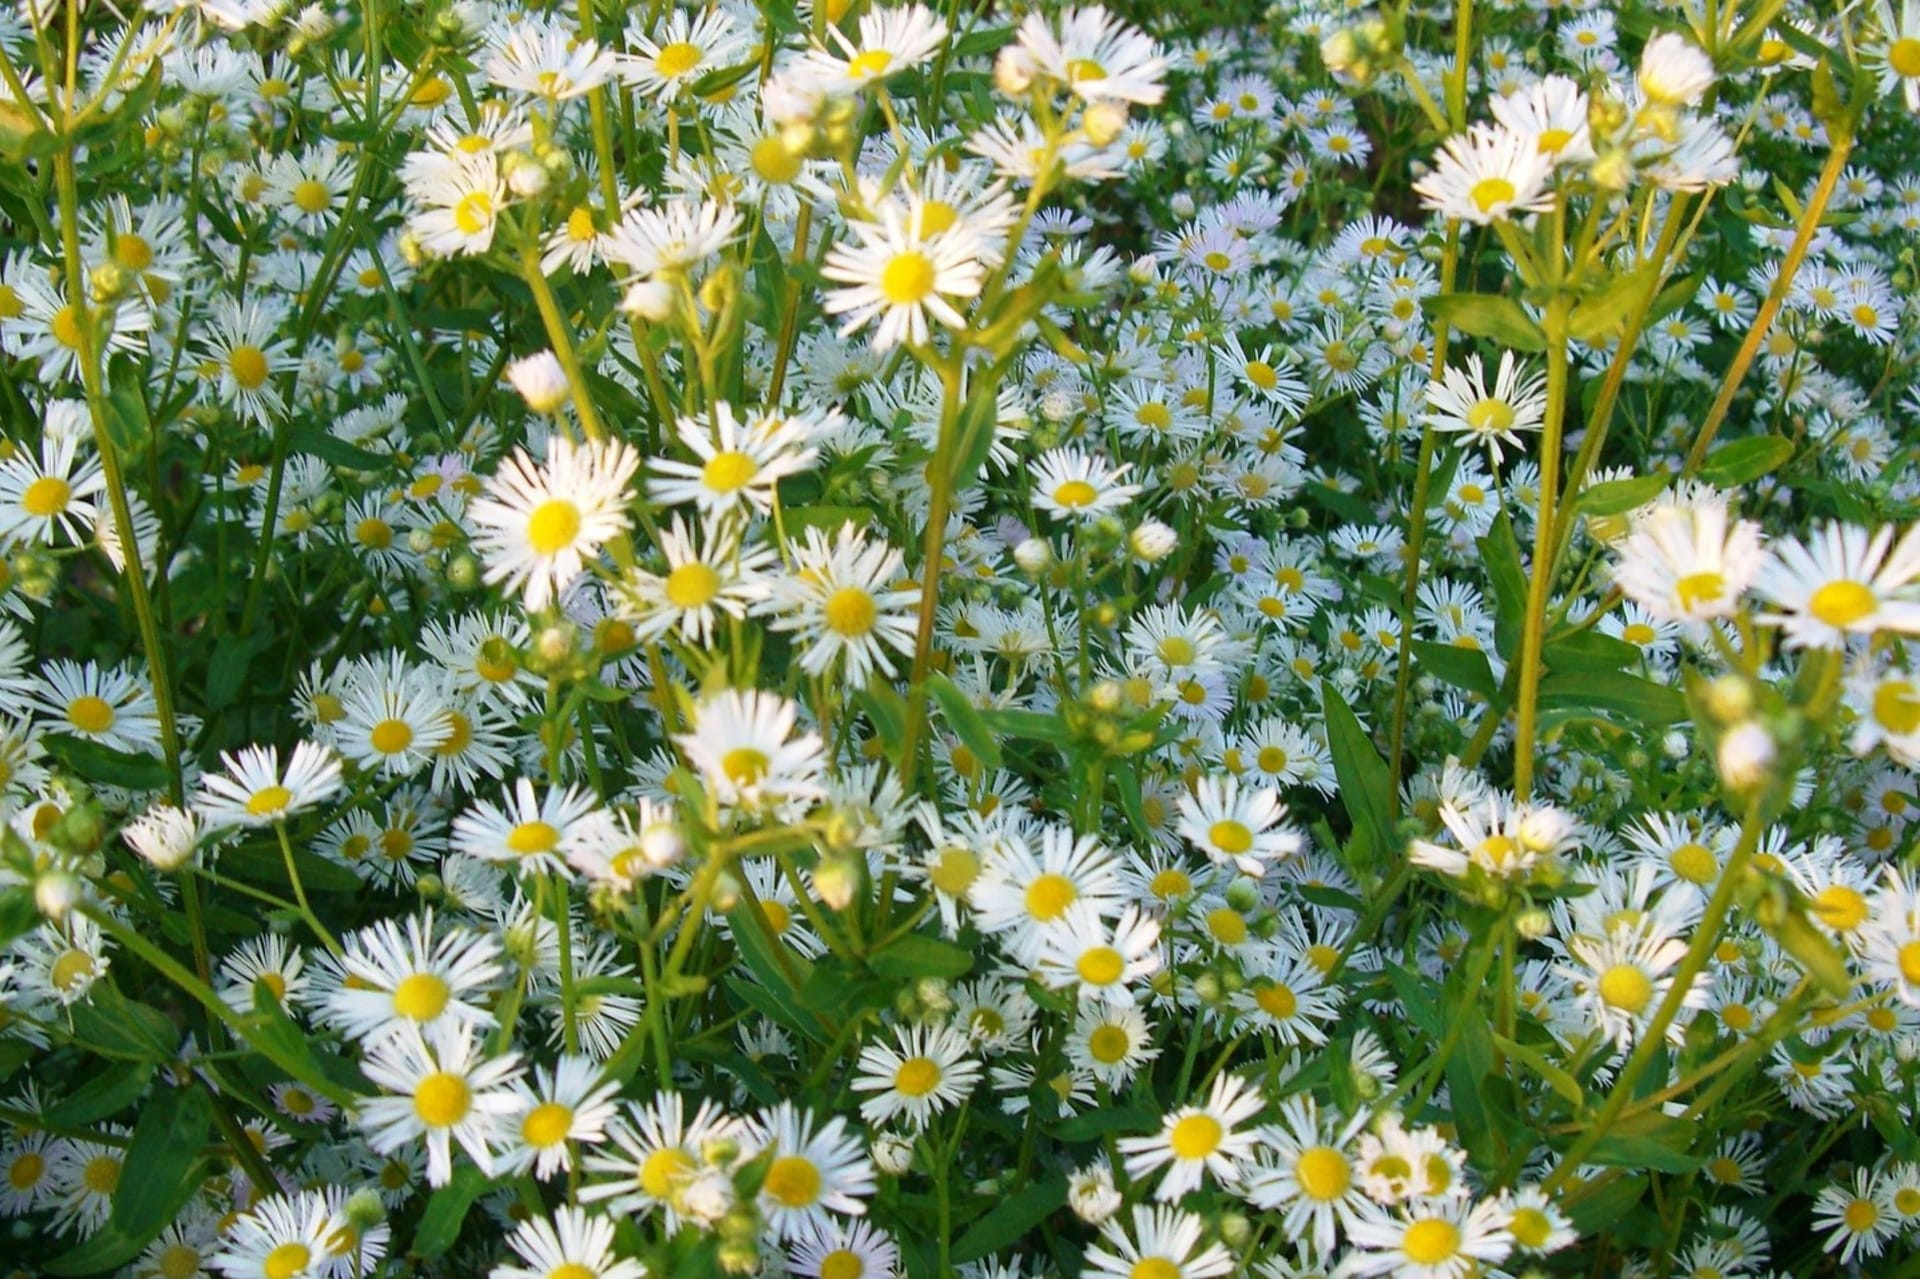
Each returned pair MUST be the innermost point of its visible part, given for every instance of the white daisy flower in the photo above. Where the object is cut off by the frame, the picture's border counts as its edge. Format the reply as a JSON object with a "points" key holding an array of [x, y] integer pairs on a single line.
{"points": [[440, 1092], [538, 526]]}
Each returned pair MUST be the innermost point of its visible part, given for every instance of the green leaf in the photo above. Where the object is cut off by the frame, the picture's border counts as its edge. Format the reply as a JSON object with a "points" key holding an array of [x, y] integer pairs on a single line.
{"points": [[773, 994], [917, 955], [979, 419], [271, 1033], [1540, 1064], [1365, 788], [1743, 461], [1588, 652], [1098, 1123], [446, 1211], [1416, 995], [886, 710], [99, 763], [1625, 696], [164, 1158], [128, 423], [229, 665], [1600, 314], [1013, 1217], [1500, 554], [334, 450], [18, 915], [1487, 315], [1596, 1210], [1030, 726], [1617, 497], [111, 1024], [1628, 1150], [965, 719], [1466, 668], [107, 1091], [725, 78], [1126, 780]]}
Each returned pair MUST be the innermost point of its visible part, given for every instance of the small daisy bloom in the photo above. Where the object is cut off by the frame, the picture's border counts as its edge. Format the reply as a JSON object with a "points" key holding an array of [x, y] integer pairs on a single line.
{"points": [[1461, 404], [744, 747], [890, 41], [537, 526], [254, 791], [1488, 175], [531, 832], [848, 598], [815, 1170], [926, 1070], [1841, 582], [566, 1104], [1689, 562], [438, 1092], [1159, 1242], [575, 1244], [1194, 1141], [1452, 1238], [737, 464], [901, 277], [1071, 484], [1235, 827], [279, 1238]]}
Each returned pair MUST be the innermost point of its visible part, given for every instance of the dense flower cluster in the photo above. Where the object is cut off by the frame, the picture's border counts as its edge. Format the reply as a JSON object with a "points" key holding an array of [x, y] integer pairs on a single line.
{"points": [[852, 640]]}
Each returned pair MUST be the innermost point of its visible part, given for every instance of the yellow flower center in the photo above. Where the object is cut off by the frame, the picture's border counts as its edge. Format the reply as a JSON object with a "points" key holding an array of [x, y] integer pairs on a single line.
{"points": [[917, 1076], [1101, 966], [1903, 55], [775, 162], [90, 714], [26, 1171], [1170, 883], [286, 1261], [1195, 1137], [421, 996], [908, 279], [1841, 604], [1694, 863], [248, 364], [46, 497], [311, 196], [729, 472], [102, 1174], [275, 985], [692, 585], [1277, 1000], [1108, 1043], [65, 327], [580, 224], [744, 765], [661, 1169], [553, 526], [1489, 194], [1840, 908], [1230, 837], [793, 1181], [495, 662], [872, 63], [1075, 494], [1530, 1228], [1625, 987], [1698, 589], [1490, 416], [842, 1263], [937, 216], [1049, 896], [1322, 1173], [178, 1262], [474, 213], [1862, 1215], [954, 872], [1909, 957], [442, 1099], [533, 837], [547, 1124], [676, 59], [1552, 141], [850, 611], [391, 736], [1226, 925], [1430, 1241]]}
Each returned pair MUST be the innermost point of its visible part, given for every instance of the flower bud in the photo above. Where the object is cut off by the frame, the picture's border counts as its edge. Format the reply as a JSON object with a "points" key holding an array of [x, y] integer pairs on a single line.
{"points": [[1152, 542], [56, 893], [837, 879], [1103, 122], [541, 382], [1013, 71], [651, 300], [1033, 555], [892, 1154], [1746, 756]]}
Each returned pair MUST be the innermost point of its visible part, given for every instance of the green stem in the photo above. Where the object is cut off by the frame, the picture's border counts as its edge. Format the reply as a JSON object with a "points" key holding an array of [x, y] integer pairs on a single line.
{"points": [[940, 481], [558, 334], [1539, 584], [300, 894]]}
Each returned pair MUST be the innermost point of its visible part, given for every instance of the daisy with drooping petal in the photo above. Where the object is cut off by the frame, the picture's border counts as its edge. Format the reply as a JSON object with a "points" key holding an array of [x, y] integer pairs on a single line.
{"points": [[458, 204], [1488, 175], [654, 1151], [111, 707], [849, 599], [743, 745], [1841, 582], [55, 492], [1232, 827], [902, 276], [254, 791], [1451, 1238], [1197, 1140], [704, 578], [567, 1105], [1307, 1169], [284, 1237], [890, 41], [439, 1092], [1100, 961], [1552, 114], [1689, 562], [575, 1244], [928, 1069], [419, 975], [1071, 484], [1461, 404], [531, 832], [549, 60], [1159, 1241], [537, 526], [737, 465], [814, 1171], [1091, 53]]}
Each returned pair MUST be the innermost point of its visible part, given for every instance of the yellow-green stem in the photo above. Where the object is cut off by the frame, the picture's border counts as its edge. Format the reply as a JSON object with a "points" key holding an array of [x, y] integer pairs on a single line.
{"points": [[1534, 623], [559, 335]]}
